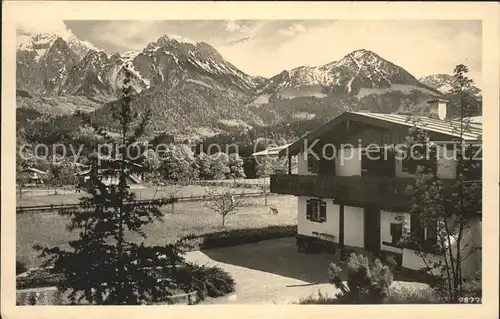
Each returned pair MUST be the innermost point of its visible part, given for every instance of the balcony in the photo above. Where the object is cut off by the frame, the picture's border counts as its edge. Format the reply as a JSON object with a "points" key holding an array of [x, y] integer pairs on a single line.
{"points": [[383, 192]]}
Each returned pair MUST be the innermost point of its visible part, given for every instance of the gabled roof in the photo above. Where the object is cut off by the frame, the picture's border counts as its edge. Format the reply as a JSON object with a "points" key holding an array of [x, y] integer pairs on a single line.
{"points": [[101, 171], [271, 150], [447, 127]]}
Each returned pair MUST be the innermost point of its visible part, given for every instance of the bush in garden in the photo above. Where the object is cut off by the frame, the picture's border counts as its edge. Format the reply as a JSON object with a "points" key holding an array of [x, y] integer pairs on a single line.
{"points": [[473, 287], [411, 295], [367, 282], [321, 299], [206, 281], [235, 237]]}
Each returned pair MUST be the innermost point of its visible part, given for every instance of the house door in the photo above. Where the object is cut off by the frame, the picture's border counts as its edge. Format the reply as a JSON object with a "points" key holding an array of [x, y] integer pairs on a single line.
{"points": [[372, 229]]}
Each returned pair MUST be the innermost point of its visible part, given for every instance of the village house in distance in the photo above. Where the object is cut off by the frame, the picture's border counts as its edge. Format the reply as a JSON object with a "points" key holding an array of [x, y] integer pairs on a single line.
{"points": [[351, 201]]}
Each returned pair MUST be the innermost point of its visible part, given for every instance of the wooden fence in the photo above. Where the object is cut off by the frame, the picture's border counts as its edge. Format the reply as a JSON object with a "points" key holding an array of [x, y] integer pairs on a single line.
{"points": [[166, 200]]}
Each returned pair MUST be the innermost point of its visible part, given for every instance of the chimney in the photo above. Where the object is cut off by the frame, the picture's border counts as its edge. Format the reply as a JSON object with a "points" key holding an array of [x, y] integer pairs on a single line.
{"points": [[437, 108]]}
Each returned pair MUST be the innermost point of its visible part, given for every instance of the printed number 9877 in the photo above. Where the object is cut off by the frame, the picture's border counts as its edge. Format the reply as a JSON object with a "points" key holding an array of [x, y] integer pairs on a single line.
{"points": [[469, 300]]}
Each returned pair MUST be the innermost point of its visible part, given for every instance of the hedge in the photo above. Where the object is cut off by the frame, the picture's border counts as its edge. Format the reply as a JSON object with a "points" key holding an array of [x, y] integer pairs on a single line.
{"points": [[37, 278], [234, 237]]}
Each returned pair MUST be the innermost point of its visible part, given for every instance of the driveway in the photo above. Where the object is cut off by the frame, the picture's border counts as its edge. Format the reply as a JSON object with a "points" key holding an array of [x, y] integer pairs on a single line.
{"points": [[270, 271]]}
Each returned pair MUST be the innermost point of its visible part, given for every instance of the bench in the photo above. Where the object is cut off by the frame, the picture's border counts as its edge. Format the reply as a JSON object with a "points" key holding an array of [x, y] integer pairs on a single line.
{"points": [[319, 241]]}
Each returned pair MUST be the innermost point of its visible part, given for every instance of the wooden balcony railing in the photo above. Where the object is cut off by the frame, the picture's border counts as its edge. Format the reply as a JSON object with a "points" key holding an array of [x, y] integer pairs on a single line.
{"points": [[383, 192]]}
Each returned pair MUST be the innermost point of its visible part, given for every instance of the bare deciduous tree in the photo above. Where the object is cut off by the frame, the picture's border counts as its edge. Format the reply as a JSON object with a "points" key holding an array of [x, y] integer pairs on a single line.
{"points": [[223, 201]]}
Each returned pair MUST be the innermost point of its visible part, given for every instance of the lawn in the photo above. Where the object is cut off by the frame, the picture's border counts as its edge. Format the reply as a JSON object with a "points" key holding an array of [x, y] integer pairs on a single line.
{"points": [[49, 229]]}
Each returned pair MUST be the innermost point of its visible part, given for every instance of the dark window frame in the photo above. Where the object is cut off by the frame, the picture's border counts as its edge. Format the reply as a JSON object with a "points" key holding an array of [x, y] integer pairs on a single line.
{"points": [[410, 166], [428, 236], [396, 232], [316, 210]]}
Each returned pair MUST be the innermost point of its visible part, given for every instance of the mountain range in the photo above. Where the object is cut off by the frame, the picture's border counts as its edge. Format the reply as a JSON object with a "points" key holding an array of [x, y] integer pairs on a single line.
{"points": [[191, 88]]}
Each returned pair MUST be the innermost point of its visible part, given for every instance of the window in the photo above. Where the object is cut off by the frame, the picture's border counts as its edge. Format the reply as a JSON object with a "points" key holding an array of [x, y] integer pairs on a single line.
{"points": [[426, 236], [410, 164], [316, 210], [377, 162], [396, 232], [312, 164]]}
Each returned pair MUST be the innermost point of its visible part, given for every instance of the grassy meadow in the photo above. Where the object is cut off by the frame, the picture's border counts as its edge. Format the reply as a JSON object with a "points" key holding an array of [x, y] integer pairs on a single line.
{"points": [[49, 229]]}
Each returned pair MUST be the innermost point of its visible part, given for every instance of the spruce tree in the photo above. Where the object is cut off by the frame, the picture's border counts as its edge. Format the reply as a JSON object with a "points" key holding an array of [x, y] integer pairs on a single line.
{"points": [[102, 265]]}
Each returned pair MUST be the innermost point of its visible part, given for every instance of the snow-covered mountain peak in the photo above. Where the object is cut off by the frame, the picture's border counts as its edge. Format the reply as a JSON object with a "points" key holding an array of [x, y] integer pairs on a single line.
{"points": [[44, 38], [81, 47], [360, 53], [130, 55], [442, 82], [41, 42], [169, 40], [31, 42], [176, 38], [356, 70]]}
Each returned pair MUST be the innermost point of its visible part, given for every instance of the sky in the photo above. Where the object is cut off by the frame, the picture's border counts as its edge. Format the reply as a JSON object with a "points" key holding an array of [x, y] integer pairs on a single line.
{"points": [[267, 47]]}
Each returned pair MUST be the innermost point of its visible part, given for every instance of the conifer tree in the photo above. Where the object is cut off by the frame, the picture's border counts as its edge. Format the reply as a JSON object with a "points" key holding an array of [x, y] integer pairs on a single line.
{"points": [[102, 265]]}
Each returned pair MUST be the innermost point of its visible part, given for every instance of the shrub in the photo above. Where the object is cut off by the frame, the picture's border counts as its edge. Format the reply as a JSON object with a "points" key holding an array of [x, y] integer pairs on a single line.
{"points": [[39, 277], [472, 288], [367, 283], [409, 294], [206, 281], [236, 237], [321, 299]]}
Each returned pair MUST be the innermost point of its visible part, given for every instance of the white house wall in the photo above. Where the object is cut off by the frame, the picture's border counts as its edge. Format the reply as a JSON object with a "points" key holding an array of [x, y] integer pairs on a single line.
{"points": [[470, 265], [413, 260], [354, 226], [472, 239], [307, 227], [353, 222], [348, 162], [447, 165]]}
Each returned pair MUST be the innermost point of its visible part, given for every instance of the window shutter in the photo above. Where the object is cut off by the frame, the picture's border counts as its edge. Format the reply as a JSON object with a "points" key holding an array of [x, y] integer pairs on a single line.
{"points": [[322, 212], [308, 209]]}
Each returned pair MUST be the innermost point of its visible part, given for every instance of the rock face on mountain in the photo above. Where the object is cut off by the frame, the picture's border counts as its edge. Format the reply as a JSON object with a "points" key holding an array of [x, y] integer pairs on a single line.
{"points": [[191, 86], [43, 63], [358, 70], [441, 82], [69, 67]]}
